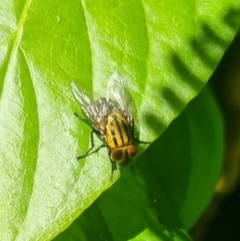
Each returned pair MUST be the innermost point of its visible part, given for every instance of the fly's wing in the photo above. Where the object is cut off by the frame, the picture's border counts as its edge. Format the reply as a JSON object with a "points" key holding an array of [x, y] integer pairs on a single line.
{"points": [[85, 104], [118, 92]]}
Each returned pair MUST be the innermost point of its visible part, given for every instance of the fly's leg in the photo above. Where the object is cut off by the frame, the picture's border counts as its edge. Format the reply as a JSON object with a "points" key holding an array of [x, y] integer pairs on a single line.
{"points": [[130, 164], [81, 118], [87, 153], [112, 170], [113, 164], [92, 140], [92, 145], [142, 142]]}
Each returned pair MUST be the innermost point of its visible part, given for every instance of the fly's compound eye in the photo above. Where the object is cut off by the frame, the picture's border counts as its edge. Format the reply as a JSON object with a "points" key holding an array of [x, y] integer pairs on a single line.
{"points": [[117, 155], [132, 150]]}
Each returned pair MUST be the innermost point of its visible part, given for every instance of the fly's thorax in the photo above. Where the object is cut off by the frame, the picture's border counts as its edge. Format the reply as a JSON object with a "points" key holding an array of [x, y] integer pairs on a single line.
{"points": [[122, 155], [118, 131]]}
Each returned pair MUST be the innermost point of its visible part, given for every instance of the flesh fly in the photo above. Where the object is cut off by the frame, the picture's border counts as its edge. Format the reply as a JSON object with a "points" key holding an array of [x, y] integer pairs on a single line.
{"points": [[112, 119]]}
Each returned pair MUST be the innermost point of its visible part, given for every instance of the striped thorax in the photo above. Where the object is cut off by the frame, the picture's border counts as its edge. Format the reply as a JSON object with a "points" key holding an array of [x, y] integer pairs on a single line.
{"points": [[119, 138]]}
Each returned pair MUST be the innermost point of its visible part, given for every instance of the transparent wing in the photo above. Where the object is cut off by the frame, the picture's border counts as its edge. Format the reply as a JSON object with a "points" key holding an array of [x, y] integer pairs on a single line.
{"points": [[119, 93], [85, 104]]}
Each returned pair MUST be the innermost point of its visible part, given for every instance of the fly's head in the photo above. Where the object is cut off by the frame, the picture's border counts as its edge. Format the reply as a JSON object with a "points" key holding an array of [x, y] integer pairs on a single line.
{"points": [[123, 155]]}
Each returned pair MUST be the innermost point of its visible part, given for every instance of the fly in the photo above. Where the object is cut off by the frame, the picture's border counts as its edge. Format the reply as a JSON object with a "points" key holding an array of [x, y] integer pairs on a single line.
{"points": [[112, 119]]}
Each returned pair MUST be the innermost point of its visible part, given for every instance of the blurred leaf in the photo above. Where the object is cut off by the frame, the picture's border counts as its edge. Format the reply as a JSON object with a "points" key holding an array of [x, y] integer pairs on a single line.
{"points": [[167, 51]]}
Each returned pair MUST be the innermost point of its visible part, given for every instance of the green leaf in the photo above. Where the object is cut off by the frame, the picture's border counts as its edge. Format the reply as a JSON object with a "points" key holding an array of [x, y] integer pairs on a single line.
{"points": [[168, 188], [166, 50]]}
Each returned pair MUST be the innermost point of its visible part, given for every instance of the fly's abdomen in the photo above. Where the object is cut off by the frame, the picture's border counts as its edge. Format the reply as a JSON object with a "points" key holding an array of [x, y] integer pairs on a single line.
{"points": [[118, 132]]}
